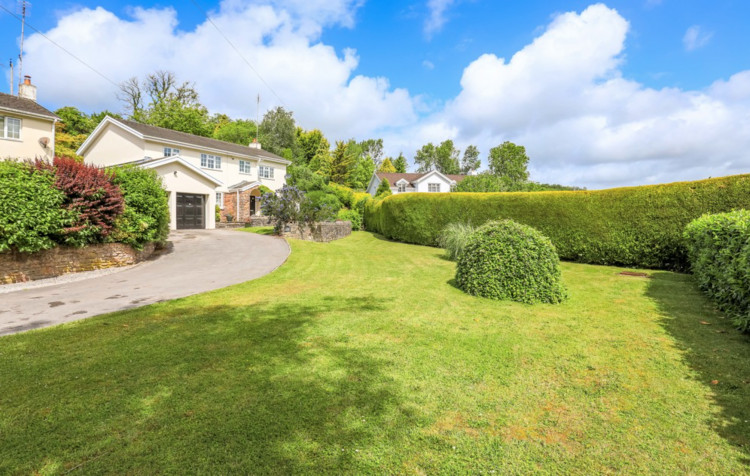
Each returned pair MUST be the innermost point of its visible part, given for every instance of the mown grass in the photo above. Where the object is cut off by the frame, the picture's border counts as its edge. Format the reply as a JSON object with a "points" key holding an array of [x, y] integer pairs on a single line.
{"points": [[258, 230], [360, 357]]}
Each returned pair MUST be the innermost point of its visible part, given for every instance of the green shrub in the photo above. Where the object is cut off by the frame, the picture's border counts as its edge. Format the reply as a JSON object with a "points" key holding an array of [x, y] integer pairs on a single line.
{"points": [[91, 197], [344, 194], [319, 198], [31, 210], [264, 190], [146, 215], [217, 213], [454, 237], [301, 177], [719, 251], [360, 199], [632, 226], [506, 260], [384, 189], [353, 216]]}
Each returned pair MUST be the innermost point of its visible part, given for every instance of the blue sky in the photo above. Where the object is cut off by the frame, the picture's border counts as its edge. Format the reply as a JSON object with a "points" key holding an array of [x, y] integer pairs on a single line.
{"points": [[639, 83]]}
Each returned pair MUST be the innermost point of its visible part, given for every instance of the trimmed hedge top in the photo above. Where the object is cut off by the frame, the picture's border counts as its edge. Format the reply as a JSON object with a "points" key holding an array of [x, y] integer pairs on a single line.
{"points": [[632, 226]]}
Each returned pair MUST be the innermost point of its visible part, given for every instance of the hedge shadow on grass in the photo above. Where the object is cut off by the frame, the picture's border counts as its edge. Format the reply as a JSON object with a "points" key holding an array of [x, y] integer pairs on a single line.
{"points": [[712, 348], [248, 389]]}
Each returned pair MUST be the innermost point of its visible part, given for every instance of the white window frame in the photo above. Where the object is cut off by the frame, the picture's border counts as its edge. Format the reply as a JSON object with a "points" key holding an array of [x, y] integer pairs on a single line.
{"points": [[6, 120], [266, 172], [245, 167], [401, 187], [220, 200], [171, 151], [430, 187], [212, 162]]}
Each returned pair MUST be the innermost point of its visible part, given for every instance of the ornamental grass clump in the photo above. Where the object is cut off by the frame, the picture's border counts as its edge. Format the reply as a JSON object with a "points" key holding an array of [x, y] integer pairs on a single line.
{"points": [[453, 239], [505, 260]]}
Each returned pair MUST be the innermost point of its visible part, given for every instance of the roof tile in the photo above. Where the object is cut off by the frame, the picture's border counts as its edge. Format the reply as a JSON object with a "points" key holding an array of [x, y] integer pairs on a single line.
{"points": [[198, 141], [24, 106]]}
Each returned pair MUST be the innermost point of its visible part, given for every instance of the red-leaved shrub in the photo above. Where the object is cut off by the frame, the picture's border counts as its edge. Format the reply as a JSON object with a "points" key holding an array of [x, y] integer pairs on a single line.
{"points": [[91, 197]]}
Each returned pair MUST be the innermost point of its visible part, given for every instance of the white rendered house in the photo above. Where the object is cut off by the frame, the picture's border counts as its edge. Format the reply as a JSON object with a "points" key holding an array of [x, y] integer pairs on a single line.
{"points": [[433, 181], [198, 172]]}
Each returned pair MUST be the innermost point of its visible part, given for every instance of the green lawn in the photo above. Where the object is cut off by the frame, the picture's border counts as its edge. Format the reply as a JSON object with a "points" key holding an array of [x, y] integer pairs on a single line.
{"points": [[359, 356], [259, 230]]}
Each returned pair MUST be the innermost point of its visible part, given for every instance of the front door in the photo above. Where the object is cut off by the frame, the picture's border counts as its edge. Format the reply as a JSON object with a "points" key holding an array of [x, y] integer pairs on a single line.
{"points": [[190, 211], [252, 205]]}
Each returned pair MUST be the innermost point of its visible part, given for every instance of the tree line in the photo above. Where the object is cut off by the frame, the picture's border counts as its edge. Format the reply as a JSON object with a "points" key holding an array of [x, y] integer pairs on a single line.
{"points": [[159, 99]]}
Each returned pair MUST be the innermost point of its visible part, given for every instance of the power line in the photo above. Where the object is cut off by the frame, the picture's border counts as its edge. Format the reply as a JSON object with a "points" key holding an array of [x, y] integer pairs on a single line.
{"points": [[61, 47], [208, 17]]}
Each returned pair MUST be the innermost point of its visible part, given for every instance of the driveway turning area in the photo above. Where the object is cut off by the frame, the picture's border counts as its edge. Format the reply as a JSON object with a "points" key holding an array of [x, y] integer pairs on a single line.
{"points": [[201, 260]]}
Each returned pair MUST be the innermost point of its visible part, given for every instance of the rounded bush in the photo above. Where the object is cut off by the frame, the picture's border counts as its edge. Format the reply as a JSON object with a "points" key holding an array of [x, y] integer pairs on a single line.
{"points": [[507, 260]]}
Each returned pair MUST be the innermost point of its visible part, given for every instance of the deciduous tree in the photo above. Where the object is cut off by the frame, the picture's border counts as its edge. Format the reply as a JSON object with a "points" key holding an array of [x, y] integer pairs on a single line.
{"points": [[510, 161], [470, 162], [278, 132]]}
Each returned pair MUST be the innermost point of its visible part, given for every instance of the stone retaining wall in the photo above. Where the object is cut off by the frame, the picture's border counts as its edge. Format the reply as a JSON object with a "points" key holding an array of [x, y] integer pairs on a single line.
{"points": [[322, 232], [21, 267]]}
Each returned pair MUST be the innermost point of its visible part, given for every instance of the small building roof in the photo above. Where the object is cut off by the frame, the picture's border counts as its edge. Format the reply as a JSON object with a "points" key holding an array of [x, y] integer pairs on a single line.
{"points": [[25, 106]]}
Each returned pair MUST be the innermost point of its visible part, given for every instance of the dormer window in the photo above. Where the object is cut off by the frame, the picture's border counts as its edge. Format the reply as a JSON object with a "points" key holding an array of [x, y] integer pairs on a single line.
{"points": [[169, 152], [401, 187]]}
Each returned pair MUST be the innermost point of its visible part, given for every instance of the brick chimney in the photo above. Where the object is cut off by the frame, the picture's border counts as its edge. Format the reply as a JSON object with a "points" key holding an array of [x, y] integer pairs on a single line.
{"points": [[26, 90]]}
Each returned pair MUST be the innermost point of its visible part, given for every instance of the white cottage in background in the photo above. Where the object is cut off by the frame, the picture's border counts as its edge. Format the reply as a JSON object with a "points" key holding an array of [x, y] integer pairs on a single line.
{"points": [[418, 182], [198, 172]]}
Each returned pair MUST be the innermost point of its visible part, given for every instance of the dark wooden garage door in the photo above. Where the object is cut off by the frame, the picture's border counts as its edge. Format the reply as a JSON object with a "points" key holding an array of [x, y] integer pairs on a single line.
{"points": [[189, 211]]}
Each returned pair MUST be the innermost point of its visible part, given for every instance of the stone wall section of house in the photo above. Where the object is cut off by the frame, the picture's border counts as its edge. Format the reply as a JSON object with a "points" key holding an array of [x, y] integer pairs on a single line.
{"points": [[230, 206], [21, 267], [321, 232]]}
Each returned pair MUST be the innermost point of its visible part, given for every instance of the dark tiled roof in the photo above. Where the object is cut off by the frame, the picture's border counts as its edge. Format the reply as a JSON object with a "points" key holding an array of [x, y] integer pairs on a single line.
{"points": [[198, 141], [411, 178], [24, 105]]}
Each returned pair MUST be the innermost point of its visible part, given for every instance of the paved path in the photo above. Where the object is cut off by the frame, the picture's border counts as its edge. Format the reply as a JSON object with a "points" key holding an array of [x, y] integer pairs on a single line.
{"points": [[201, 260]]}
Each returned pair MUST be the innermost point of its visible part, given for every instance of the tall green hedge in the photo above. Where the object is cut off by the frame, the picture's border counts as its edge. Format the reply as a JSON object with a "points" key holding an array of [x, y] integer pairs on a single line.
{"points": [[146, 215], [632, 226], [719, 250], [31, 208]]}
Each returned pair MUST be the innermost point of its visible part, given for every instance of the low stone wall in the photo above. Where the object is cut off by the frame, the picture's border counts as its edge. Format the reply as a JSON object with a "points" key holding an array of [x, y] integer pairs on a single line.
{"points": [[260, 220], [322, 232], [21, 267]]}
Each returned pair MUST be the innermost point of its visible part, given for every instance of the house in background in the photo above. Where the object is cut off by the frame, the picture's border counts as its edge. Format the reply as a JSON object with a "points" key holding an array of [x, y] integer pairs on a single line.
{"points": [[433, 181], [27, 130], [198, 172]]}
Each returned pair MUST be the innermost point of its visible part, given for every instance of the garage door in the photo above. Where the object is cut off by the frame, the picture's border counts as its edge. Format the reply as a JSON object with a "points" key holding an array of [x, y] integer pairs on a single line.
{"points": [[189, 211]]}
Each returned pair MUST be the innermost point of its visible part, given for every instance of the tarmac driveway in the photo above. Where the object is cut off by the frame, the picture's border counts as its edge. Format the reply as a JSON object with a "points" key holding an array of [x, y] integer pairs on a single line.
{"points": [[200, 261]]}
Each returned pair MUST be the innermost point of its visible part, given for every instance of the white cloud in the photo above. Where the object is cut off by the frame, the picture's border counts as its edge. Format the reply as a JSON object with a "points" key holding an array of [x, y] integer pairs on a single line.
{"points": [[428, 65], [563, 97], [695, 37], [436, 17], [311, 78]]}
